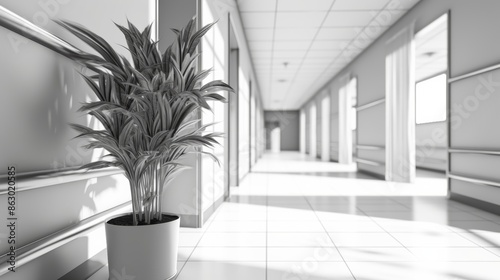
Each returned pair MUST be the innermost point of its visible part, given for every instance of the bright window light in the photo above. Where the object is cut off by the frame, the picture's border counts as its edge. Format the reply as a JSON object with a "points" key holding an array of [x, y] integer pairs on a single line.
{"points": [[430, 98]]}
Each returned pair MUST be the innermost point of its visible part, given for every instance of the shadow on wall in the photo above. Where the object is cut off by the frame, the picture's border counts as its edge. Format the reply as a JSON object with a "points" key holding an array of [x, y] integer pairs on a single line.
{"points": [[42, 92]]}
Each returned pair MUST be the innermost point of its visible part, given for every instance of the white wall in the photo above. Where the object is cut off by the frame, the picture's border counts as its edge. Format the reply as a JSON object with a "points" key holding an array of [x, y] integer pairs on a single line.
{"points": [[36, 83]]}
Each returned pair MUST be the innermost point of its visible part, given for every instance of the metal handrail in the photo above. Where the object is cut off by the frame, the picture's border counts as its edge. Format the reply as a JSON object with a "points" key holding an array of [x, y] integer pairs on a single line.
{"points": [[23, 27], [474, 180], [369, 162], [46, 244], [370, 104], [370, 147], [474, 73], [474, 151], [37, 182]]}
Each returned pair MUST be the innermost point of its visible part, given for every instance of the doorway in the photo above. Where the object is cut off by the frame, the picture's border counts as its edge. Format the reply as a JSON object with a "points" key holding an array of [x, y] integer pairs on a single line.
{"points": [[312, 131], [431, 67], [431, 109], [325, 128]]}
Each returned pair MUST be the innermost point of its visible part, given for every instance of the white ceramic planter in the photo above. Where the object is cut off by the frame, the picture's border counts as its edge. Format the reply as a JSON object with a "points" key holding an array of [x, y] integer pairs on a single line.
{"points": [[142, 252]]}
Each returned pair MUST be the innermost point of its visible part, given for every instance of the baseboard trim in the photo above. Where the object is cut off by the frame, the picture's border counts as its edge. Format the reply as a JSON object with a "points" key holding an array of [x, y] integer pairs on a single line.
{"points": [[483, 205]]}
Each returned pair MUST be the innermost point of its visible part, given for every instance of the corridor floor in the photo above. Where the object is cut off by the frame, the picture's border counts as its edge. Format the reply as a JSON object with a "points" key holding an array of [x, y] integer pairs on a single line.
{"points": [[295, 218]]}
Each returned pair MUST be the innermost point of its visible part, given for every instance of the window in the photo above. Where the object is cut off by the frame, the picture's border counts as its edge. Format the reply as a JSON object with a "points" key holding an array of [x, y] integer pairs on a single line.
{"points": [[430, 98]]}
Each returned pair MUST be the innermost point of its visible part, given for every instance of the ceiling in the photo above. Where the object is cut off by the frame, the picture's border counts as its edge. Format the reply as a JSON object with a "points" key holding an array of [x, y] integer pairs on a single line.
{"points": [[299, 45]]}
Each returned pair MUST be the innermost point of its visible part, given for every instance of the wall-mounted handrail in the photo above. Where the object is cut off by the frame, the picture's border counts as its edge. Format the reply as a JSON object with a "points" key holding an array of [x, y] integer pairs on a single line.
{"points": [[56, 178], [474, 73], [369, 162], [23, 27], [370, 104], [370, 147], [46, 244], [474, 180], [473, 151]]}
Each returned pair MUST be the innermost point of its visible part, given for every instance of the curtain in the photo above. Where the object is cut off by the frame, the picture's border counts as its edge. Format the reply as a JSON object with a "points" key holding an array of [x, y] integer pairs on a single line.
{"points": [[400, 107], [345, 127]]}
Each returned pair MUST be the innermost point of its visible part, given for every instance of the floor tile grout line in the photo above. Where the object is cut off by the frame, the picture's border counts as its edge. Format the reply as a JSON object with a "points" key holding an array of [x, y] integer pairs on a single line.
{"points": [[371, 218], [329, 237], [216, 213]]}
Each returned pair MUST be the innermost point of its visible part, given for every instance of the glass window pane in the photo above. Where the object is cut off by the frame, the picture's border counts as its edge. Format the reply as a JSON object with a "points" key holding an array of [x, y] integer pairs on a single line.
{"points": [[430, 97]]}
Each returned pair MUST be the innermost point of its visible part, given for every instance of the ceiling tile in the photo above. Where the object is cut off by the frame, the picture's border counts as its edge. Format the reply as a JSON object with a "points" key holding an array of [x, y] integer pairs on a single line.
{"points": [[329, 45], [285, 54], [337, 33], [304, 5], [261, 55], [291, 45], [299, 34], [323, 53], [257, 5], [261, 45], [359, 4], [349, 18], [300, 19], [258, 20], [259, 34]]}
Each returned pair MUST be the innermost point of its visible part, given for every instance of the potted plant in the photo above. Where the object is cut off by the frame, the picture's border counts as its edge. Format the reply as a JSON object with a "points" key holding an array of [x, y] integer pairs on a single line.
{"points": [[149, 109]]}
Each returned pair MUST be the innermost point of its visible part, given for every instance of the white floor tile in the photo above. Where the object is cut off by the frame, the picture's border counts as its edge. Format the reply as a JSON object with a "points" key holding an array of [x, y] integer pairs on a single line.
{"points": [[295, 226], [240, 216], [412, 226], [483, 238], [237, 226], [184, 253], [369, 254], [275, 239], [291, 215], [364, 240], [233, 239], [433, 240], [454, 254], [333, 216], [189, 239], [394, 271], [229, 254], [494, 250], [223, 271], [296, 254], [399, 215], [308, 269], [352, 226]]}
